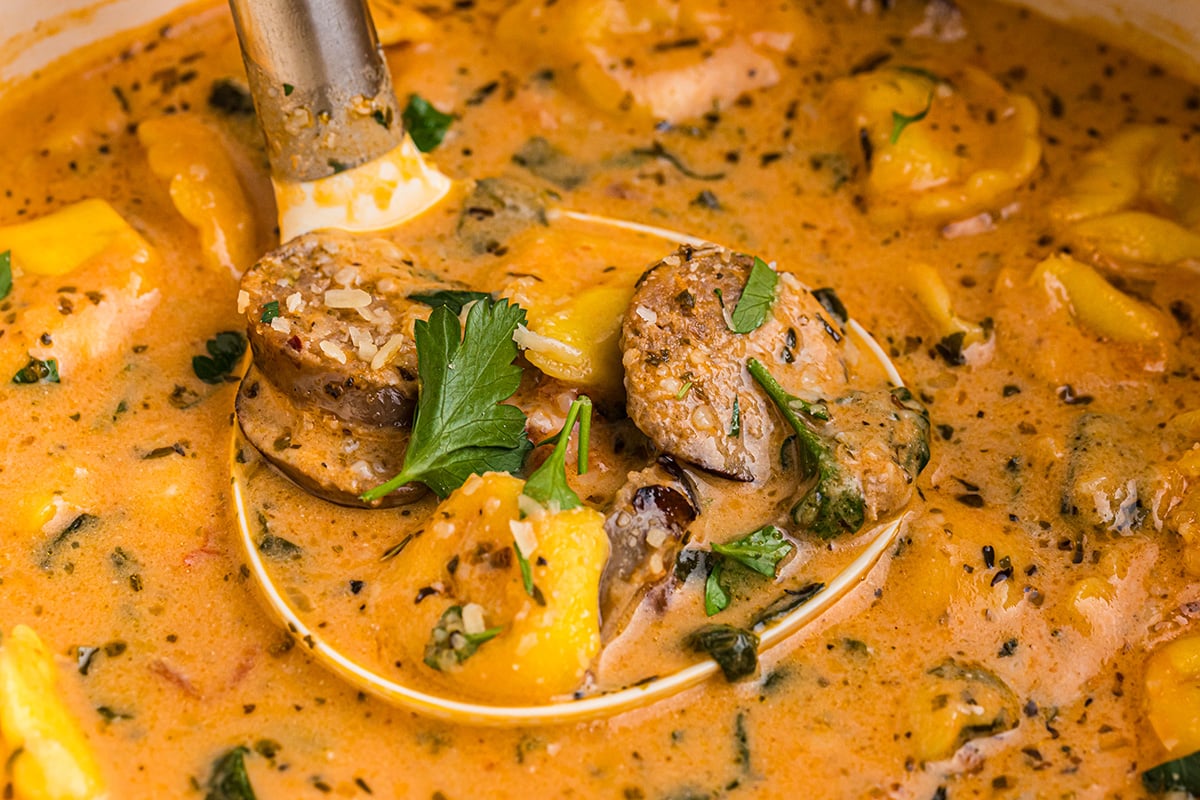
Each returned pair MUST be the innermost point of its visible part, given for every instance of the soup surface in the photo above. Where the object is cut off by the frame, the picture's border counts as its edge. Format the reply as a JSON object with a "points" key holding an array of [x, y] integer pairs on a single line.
{"points": [[1010, 208]]}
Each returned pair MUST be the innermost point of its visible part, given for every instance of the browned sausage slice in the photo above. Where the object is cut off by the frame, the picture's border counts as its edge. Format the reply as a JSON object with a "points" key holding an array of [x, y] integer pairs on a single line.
{"points": [[334, 384], [685, 370]]}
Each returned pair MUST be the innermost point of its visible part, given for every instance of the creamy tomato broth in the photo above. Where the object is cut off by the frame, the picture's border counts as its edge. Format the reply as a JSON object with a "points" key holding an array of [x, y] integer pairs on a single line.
{"points": [[1009, 207]]}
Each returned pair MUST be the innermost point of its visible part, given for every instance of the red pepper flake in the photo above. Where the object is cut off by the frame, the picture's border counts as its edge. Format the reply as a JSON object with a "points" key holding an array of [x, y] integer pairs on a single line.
{"points": [[295, 343]]}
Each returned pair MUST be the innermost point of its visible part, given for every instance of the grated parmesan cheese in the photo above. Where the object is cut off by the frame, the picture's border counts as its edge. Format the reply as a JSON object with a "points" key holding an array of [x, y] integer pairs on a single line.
{"points": [[243, 301], [544, 345], [333, 351], [472, 617], [347, 298], [524, 536], [385, 354]]}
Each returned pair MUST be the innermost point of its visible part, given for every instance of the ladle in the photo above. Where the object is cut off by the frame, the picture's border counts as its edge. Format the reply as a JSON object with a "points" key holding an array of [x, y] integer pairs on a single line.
{"points": [[340, 158]]}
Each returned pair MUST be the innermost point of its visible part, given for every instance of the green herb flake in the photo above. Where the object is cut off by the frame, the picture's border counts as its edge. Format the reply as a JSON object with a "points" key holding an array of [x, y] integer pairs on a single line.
{"points": [[461, 426], [38, 371], [449, 644], [225, 351], [757, 296], [453, 299], [288, 89], [424, 123], [789, 602], [269, 312], [548, 484], [734, 649], [526, 571], [735, 422], [1178, 775], [229, 780], [683, 390], [716, 596], [902, 121], [760, 551], [5, 273]]}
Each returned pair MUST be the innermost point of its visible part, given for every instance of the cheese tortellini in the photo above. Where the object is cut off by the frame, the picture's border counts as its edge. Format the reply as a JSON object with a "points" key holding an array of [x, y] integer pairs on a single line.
{"points": [[466, 616], [45, 751], [1133, 200], [942, 143], [1173, 694], [204, 187], [671, 60]]}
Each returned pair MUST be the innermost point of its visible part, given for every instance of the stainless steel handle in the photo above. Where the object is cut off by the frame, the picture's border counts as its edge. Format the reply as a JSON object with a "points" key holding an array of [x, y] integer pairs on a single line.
{"points": [[320, 84]]}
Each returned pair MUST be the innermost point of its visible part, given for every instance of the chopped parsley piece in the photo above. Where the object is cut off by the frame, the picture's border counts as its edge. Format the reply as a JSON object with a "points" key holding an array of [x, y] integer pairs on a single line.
{"points": [[757, 297], [5, 273], [449, 643], [225, 351], [716, 596], [548, 484], [461, 426], [735, 422], [288, 89], [526, 571], [761, 550], [229, 780], [38, 371], [735, 650], [269, 311], [902, 121], [453, 299], [424, 123]]}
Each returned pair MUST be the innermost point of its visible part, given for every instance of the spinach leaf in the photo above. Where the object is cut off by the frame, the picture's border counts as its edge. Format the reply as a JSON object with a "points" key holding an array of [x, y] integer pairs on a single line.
{"points": [[424, 123], [735, 650], [1178, 775], [225, 351], [229, 780], [757, 297]]}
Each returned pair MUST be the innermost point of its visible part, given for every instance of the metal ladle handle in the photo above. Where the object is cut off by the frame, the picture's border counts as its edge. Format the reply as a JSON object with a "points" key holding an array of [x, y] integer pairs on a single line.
{"points": [[320, 84]]}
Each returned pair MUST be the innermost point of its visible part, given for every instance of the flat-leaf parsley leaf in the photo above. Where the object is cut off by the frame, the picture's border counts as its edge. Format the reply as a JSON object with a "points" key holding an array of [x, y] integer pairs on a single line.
{"points": [[761, 550], [548, 484], [462, 426]]}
